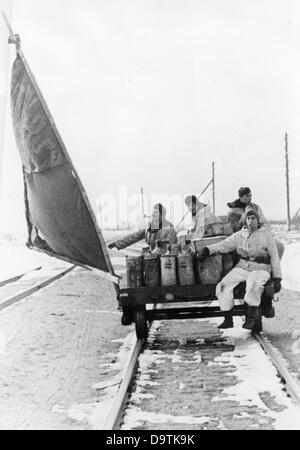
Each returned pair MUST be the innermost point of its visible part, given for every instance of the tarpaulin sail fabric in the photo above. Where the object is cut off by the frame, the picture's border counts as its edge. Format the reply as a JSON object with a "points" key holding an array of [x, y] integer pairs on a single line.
{"points": [[55, 204]]}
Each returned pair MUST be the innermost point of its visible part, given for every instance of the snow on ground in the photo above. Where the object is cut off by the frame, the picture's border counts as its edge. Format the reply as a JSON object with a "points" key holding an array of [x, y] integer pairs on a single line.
{"points": [[254, 391], [62, 355], [95, 414], [290, 265], [18, 259], [257, 376]]}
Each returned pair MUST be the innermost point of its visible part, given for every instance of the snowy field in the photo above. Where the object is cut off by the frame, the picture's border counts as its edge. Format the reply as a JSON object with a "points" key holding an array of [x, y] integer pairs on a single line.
{"points": [[290, 263], [18, 259], [291, 267]]}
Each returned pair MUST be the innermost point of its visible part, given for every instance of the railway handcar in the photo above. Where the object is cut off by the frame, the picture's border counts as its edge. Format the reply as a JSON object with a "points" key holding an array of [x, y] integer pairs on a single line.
{"points": [[142, 304]]}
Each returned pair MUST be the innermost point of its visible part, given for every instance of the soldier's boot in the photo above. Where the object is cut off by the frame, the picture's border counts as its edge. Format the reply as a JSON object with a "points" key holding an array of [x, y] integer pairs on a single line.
{"points": [[252, 316], [268, 309], [126, 319], [228, 321]]}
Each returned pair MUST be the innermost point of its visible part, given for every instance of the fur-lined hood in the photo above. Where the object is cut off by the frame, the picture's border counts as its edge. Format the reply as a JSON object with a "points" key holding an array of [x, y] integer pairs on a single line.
{"points": [[237, 204]]}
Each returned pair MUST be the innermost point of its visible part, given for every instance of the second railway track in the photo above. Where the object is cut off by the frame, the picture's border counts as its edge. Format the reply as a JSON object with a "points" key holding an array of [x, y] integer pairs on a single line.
{"points": [[19, 287], [188, 375]]}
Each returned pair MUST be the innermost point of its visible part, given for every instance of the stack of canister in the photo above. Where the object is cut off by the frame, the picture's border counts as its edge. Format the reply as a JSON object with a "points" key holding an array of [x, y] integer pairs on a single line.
{"points": [[177, 266], [161, 268]]}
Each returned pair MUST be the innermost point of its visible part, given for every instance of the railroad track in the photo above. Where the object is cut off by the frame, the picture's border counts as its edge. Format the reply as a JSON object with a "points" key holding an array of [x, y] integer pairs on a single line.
{"points": [[291, 383], [18, 277], [116, 416], [13, 290]]}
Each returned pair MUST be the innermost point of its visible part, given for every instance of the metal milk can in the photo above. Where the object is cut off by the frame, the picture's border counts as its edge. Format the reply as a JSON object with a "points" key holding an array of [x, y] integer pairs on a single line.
{"points": [[186, 269], [168, 270], [151, 270], [134, 270]]}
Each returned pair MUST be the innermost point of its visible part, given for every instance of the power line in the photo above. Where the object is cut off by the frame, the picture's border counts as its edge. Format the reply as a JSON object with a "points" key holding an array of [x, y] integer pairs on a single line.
{"points": [[203, 192], [287, 182]]}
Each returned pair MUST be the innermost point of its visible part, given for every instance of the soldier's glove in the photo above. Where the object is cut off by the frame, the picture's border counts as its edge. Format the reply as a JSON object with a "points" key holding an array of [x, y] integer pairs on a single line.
{"points": [[203, 254], [112, 245], [277, 285]]}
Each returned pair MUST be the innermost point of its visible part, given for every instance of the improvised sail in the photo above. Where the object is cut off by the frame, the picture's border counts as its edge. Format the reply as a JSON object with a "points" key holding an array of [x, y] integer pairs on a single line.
{"points": [[59, 217]]}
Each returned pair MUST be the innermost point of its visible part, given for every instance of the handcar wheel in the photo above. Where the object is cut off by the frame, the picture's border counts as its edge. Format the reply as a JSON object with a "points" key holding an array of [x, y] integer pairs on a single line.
{"points": [[141, 322]]}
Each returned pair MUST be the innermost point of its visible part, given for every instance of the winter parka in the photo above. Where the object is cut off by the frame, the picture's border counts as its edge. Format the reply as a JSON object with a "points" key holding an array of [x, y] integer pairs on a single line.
{"points": [[166, 232], [237, 213], [201, 222], [249, 246]]}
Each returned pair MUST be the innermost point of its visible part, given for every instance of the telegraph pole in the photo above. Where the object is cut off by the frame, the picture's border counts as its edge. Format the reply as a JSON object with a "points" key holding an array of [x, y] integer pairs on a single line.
{"points": [[214, 187], [287, 182], [143, 206]]}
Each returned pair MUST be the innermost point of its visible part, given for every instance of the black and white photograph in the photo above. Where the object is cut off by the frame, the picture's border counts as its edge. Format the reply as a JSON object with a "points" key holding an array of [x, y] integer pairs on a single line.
{"points": [[149, 217]]}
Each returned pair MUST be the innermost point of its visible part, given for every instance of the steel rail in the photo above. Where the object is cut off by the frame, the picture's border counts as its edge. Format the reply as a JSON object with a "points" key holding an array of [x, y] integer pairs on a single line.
{"points": [[5, 303], [292, 384], [114, 416], [17, 277]]}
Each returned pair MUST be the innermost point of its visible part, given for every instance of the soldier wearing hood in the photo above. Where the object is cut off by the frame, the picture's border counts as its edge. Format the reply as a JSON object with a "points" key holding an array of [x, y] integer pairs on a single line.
{"points": [[202, 217], [258, 259], [238, 210], [159, 229]]}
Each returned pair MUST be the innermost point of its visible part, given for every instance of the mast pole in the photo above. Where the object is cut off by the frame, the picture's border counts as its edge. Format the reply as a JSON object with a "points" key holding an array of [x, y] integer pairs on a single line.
{"points": [[4, 105], [214, 187], [7, 23], [287, 182]]}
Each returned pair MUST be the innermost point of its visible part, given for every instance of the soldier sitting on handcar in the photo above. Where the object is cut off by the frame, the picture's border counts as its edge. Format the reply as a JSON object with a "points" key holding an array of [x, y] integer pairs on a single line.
{"points": [[258, 259], [159, 229], [237, 214], [202, 217]]}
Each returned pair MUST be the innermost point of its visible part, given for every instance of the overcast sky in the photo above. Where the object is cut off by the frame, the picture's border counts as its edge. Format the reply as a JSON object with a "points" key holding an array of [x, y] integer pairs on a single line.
{"points": [[150, 92]]}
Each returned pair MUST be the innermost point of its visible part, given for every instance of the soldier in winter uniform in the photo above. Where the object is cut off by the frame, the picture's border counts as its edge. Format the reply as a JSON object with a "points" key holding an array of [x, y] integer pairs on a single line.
{"points": [[159, 229], [202, 217], [237, 213], [258, 259], [238, 209]]}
